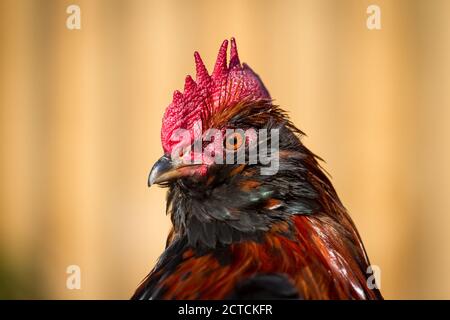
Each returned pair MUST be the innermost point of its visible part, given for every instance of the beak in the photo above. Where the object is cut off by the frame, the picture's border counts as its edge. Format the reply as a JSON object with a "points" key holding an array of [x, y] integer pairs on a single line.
{"points": [[164, 170]]}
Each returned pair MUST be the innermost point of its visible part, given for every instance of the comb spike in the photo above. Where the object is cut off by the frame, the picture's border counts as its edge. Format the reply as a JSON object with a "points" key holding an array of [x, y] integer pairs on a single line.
{"points": [[234, 57], [202, 73], [177, 97], [221, 62], [189, 85]]}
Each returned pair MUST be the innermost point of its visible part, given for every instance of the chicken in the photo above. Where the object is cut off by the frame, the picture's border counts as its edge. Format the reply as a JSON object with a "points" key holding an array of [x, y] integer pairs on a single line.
{"points": [[245, 227]]}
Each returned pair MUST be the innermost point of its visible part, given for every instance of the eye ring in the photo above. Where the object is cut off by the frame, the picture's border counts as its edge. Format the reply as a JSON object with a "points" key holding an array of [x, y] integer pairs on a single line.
{"points": [[233, 141]]}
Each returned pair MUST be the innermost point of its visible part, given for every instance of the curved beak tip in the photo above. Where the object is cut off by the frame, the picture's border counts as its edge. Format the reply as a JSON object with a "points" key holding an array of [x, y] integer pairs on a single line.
{"points": [[165, 170], [149, 182], [161, 167], [151, 178]]}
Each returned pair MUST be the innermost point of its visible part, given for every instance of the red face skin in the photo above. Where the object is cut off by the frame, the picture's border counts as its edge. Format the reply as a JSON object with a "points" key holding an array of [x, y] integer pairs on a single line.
{"points": [[196, 148]]}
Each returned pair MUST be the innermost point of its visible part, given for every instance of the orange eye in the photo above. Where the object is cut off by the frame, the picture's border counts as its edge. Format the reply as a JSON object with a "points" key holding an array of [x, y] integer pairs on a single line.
{"points": [[233, 141]]}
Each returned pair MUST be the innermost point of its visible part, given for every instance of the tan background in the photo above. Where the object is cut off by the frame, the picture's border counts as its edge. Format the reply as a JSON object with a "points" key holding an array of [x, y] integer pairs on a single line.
{"points": [[80, 120]]}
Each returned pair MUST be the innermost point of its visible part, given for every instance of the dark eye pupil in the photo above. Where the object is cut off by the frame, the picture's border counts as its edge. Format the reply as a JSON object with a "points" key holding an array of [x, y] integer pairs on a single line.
{"points": [[233, 141]]}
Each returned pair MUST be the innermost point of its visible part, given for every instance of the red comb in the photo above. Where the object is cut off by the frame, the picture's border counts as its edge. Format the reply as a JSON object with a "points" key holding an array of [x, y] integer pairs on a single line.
{"points": [[227, 85]]}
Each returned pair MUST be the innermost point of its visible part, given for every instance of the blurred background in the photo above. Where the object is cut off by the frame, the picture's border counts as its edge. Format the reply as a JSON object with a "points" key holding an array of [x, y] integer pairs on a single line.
{"points": [[81, 112]]}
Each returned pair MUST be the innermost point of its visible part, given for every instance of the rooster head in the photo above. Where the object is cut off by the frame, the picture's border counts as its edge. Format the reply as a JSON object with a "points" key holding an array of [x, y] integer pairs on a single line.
{"points": [[202, 113], [219, 192]]}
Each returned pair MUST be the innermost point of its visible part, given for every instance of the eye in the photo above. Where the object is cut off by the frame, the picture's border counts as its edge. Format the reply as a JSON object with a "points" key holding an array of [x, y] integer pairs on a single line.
{"points": [[233, 141]]}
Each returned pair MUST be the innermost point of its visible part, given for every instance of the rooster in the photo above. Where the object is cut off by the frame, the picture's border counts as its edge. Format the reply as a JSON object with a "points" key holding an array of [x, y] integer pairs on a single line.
{"points": [[238, 233]]}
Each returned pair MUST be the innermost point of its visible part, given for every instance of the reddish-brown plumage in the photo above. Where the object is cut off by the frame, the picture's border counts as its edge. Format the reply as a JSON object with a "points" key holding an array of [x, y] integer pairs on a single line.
{"points": [[317, 260]]}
